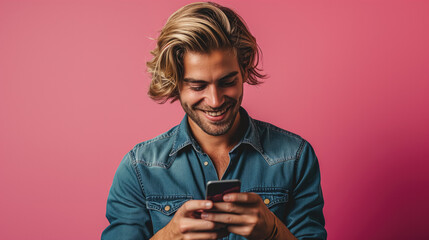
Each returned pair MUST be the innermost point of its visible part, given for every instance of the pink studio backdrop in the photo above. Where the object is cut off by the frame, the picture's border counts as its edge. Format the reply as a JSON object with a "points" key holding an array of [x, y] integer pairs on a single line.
{"points": [[352, 77]]}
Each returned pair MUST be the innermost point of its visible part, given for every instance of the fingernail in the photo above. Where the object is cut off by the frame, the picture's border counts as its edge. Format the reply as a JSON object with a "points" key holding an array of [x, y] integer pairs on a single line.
{"points": [[204, 215], [226, 198], [208, 204]]}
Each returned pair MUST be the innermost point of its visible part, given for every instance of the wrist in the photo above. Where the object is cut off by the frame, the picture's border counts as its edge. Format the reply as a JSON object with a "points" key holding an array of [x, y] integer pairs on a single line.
{"points": [[164, 233], [274, 232]]}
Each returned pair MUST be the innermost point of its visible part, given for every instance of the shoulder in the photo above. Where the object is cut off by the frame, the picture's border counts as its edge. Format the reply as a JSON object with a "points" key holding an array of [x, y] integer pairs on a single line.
{"points": [[278, 144], [156, 151]]}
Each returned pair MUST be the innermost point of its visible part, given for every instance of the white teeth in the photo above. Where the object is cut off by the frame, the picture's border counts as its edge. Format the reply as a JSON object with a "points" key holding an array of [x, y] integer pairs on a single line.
{"points": [[217, 113]]}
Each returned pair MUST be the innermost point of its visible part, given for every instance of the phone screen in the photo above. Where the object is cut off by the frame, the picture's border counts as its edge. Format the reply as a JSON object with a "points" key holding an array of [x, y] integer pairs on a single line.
{"points": [[217, 189]]}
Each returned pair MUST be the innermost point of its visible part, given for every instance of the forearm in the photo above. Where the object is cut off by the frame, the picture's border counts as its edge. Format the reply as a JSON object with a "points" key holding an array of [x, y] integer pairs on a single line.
{"points": [[280, 231], [157, 236], [162, 234]]}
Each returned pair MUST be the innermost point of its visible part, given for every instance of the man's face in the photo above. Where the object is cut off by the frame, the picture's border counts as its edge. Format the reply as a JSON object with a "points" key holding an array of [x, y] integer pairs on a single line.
{"points": [[211, 91]]}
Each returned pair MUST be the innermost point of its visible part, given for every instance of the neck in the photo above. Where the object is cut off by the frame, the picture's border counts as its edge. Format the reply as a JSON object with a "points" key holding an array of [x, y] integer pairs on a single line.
{"points": [[210, 143]]}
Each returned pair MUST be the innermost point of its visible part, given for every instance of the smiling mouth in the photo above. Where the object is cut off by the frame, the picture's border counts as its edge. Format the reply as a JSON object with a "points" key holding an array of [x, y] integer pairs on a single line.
{"points": [[217, 113]]}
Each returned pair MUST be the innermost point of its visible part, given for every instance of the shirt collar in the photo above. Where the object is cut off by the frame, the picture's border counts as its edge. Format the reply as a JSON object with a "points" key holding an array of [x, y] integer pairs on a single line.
{"points": [[251, 136], [184, 137]]}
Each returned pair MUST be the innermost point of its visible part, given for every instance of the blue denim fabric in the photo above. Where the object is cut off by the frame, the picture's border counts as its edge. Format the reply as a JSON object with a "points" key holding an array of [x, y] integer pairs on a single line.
{"points": [[157, 176]]}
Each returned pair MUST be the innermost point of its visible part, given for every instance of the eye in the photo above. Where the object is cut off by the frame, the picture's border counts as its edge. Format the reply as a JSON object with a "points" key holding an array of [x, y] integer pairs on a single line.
{"points": [[229, 83], [198, 87]]}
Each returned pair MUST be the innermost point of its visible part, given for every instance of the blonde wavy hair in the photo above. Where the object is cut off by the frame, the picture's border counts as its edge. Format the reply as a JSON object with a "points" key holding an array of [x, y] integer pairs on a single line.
{"points": [[199, 27]]}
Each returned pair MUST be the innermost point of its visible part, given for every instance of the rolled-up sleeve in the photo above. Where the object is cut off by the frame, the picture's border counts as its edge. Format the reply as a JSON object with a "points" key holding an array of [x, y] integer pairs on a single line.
{"points": [[305, 211], [126, 205]]}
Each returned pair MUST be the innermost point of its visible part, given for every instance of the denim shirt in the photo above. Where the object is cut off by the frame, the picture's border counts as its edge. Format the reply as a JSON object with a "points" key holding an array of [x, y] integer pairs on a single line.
{"points": [[157, 176]]}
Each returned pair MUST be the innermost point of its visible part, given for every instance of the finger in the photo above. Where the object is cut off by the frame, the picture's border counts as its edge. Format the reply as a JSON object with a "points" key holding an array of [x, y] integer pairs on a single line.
{"points": [[228, 219], [193, 205], [242, 197], [239, 230], [229, 207], [197, 225], [202, 235]]}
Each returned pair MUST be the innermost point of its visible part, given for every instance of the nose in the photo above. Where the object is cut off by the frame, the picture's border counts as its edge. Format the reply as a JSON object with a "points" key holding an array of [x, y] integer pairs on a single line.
{"points": [[214, 97]]}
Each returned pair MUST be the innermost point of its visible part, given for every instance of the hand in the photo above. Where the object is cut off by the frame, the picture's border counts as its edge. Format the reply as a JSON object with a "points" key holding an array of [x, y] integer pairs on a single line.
{"points": [[186, 223], [244, 214]]}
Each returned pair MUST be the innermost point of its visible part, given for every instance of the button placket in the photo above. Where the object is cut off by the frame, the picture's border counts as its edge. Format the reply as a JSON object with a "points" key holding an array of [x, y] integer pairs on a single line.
{"points": [[209, 169]]}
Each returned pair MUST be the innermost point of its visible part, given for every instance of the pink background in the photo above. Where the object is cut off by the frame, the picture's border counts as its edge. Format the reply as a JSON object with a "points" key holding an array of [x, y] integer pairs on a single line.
{"points": [[352, 77]]}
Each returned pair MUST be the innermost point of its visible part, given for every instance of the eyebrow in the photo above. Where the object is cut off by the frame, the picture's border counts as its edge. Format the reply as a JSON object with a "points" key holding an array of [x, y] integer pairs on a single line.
{"points": [[192, 80]]}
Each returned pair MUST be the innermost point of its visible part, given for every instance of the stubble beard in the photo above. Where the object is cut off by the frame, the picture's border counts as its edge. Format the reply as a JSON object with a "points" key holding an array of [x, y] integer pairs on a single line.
{"points": [[214, 128]]}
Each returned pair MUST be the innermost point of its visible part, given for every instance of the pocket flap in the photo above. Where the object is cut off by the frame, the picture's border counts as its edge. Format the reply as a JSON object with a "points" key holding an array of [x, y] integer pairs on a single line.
{"points": [[271, 196], [166, 204]]}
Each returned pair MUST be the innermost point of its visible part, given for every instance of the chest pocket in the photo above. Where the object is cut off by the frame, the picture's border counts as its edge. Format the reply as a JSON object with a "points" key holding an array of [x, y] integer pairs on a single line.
{"points": [[275, 199], [162, 208]]}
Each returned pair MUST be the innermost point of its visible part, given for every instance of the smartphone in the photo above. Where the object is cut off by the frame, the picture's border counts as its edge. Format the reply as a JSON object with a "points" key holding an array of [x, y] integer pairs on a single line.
{"points": [[215, 190]]}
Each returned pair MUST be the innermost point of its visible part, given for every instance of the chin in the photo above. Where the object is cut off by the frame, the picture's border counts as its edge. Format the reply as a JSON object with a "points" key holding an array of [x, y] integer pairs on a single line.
{"points": [[218, 129]]}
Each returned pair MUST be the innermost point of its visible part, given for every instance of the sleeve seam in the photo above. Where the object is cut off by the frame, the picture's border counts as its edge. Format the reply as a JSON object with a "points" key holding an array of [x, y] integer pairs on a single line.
{"points": [[139, 178], [298, 158]]}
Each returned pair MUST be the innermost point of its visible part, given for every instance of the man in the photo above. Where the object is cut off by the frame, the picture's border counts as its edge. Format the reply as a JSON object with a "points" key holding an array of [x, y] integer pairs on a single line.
{"points": [[203, 57]]}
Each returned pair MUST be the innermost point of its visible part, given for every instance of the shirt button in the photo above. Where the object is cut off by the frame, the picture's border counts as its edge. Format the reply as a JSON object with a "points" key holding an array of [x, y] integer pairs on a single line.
{"points": [[206, 163], [167, 208], [266, 201]]}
